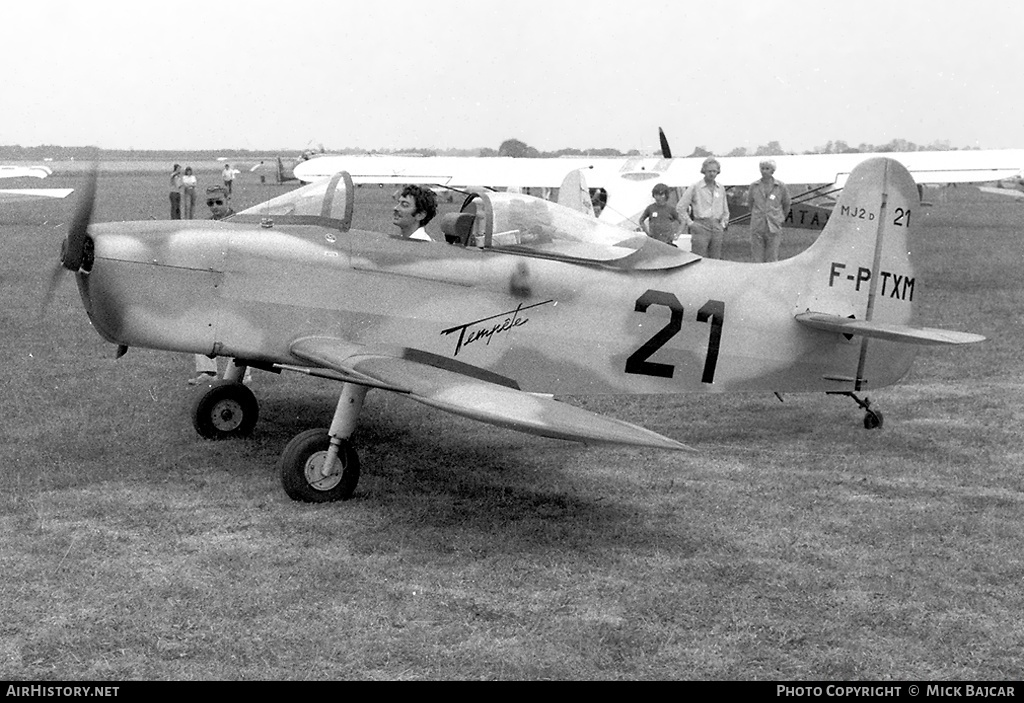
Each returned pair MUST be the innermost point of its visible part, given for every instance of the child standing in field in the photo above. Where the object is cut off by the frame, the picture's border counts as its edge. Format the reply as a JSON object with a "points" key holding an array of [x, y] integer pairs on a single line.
{"points": [[660, 221]]}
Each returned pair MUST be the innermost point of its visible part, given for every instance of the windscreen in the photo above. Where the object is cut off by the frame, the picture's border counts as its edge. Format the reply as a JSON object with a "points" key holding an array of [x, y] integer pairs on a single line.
{"points": [[329, 202]]}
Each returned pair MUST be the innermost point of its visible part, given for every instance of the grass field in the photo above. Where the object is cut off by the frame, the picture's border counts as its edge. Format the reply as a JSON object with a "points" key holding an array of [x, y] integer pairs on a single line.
{"points": [[795, 545]]}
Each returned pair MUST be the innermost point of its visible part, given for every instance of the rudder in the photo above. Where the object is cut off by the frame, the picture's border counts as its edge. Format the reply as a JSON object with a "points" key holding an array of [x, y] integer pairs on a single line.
{"points": [[862, 263], [861, 266]]}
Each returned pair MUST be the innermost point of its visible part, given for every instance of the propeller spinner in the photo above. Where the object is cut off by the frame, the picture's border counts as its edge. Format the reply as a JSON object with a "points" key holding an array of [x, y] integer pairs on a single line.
{"points": [[73, 250]]}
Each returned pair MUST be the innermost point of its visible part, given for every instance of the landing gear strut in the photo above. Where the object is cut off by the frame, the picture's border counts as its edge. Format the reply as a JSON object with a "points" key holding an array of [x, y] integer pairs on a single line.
{"points": [[319, 466], [872, 418]]}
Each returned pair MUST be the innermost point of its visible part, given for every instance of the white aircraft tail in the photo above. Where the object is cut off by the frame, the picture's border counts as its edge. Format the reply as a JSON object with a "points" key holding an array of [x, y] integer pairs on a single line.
{"points": [[861, 263], [284, 173], [574, 193], [860, 278]]}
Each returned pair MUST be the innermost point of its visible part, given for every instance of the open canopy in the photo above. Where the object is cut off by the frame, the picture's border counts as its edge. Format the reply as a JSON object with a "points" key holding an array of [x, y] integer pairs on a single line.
{"points": [[509, 222], [328, 202], [523, 224]]}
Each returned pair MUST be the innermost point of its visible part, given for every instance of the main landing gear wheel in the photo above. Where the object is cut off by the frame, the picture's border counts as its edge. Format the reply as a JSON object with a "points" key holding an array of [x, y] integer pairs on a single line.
{"points": [[304, 475], [225, 409]]}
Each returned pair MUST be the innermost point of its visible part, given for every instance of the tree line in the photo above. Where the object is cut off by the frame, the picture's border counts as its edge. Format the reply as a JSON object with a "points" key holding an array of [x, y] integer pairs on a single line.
{"points": [[510, 147], [516, 148]]}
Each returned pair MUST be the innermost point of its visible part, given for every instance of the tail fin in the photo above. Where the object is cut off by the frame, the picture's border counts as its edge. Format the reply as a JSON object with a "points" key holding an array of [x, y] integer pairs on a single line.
{"points": [[860, 273], [862, 261], [284, 173], [574, 193]]}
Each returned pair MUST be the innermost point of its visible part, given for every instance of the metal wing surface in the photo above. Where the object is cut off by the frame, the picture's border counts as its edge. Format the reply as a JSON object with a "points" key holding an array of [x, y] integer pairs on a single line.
{"points": [[25, 171], [472, 392], [891, 332], [8, 195], [966, 166], [1008, 192]]}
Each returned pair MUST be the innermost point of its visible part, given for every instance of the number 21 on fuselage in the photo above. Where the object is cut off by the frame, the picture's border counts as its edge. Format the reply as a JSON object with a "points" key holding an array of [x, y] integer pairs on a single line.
{"points": [[713, 312]]}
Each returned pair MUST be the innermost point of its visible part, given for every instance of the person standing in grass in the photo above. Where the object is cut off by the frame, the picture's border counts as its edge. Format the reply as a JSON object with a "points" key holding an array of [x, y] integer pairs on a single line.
{"points": [[659, 220], [229, 178], [188, 194], [769, 205], [705, 210], [176, 186]]}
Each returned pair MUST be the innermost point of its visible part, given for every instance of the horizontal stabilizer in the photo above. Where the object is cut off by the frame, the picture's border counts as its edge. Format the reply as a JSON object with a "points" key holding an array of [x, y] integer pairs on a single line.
{"points": [[881, 330], [469, 392]]}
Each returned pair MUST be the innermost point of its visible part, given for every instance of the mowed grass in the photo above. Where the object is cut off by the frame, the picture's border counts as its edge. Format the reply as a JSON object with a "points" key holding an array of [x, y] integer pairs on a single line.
{"points": [[794, 545]]}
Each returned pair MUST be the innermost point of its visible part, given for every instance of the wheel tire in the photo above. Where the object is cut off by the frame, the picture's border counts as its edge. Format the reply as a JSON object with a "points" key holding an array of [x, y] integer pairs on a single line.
{"points": [[301, 464], [872, 420], [224, 410]]}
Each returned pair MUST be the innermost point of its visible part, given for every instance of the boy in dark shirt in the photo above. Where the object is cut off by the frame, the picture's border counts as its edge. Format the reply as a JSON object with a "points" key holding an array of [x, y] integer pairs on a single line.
{"points": [[660, 221]]}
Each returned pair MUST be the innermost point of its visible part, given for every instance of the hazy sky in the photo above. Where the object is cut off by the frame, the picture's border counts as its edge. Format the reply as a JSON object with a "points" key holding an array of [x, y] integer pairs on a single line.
{"points": [[552, 73]]}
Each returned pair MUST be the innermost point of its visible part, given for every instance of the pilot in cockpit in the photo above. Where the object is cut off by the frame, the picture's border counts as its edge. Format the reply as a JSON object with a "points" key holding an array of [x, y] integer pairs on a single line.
{"points": [[415, 206]]}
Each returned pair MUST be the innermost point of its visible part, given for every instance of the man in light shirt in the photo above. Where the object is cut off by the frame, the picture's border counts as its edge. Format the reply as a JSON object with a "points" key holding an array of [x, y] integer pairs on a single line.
{"points": [[769, 205], [705, 211], [228, 174], [415, 206]]}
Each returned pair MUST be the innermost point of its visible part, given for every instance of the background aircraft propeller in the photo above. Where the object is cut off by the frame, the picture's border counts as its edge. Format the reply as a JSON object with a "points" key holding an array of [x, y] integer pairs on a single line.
{"points": [[666, 152]]}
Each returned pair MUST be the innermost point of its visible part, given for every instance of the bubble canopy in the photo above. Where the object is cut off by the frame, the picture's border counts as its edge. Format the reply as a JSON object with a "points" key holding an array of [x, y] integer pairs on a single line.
{"points": [[495, 221], [328, 203], [520, 223]]}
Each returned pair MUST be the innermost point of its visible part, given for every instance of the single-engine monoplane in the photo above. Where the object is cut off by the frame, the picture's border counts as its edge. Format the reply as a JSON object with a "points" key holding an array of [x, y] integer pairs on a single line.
{"points": [[524, 299]]}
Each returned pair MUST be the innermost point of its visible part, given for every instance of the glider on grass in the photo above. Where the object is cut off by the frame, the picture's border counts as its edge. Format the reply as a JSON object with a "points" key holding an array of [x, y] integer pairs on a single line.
{"points": [[9, 195], [524, 299]]}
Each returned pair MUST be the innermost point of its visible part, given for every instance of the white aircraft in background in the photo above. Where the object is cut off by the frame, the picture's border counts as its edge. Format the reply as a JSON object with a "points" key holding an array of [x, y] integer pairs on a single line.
{"points": [[1012, 187], [628, 181], [9, 195]]}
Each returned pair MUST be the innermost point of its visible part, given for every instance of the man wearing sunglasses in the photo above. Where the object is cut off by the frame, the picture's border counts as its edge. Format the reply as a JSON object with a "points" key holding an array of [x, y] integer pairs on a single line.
{"points": [[206, 368], [217, 201]]}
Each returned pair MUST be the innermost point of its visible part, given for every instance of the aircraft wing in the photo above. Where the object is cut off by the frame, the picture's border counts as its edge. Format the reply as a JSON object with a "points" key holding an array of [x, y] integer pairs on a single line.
{"points": [[452, 171], [250, 164], [25, 171], [1008, 192], [890, 332], [9, 195], [472, 392], [967, 166]]}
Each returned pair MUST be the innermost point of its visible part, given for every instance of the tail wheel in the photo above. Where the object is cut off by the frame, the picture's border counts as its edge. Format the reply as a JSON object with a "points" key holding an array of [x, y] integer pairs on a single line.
{"points": [[225, 409], [872, 420], [304, 475]]}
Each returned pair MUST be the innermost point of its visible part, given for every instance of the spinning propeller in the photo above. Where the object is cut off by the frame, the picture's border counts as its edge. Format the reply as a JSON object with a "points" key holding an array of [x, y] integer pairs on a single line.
{"points": [[76, 244]]}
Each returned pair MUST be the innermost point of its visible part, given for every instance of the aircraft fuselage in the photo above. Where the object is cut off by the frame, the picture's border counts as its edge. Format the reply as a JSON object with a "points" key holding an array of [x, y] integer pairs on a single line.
{"points": [[552, 326]]}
